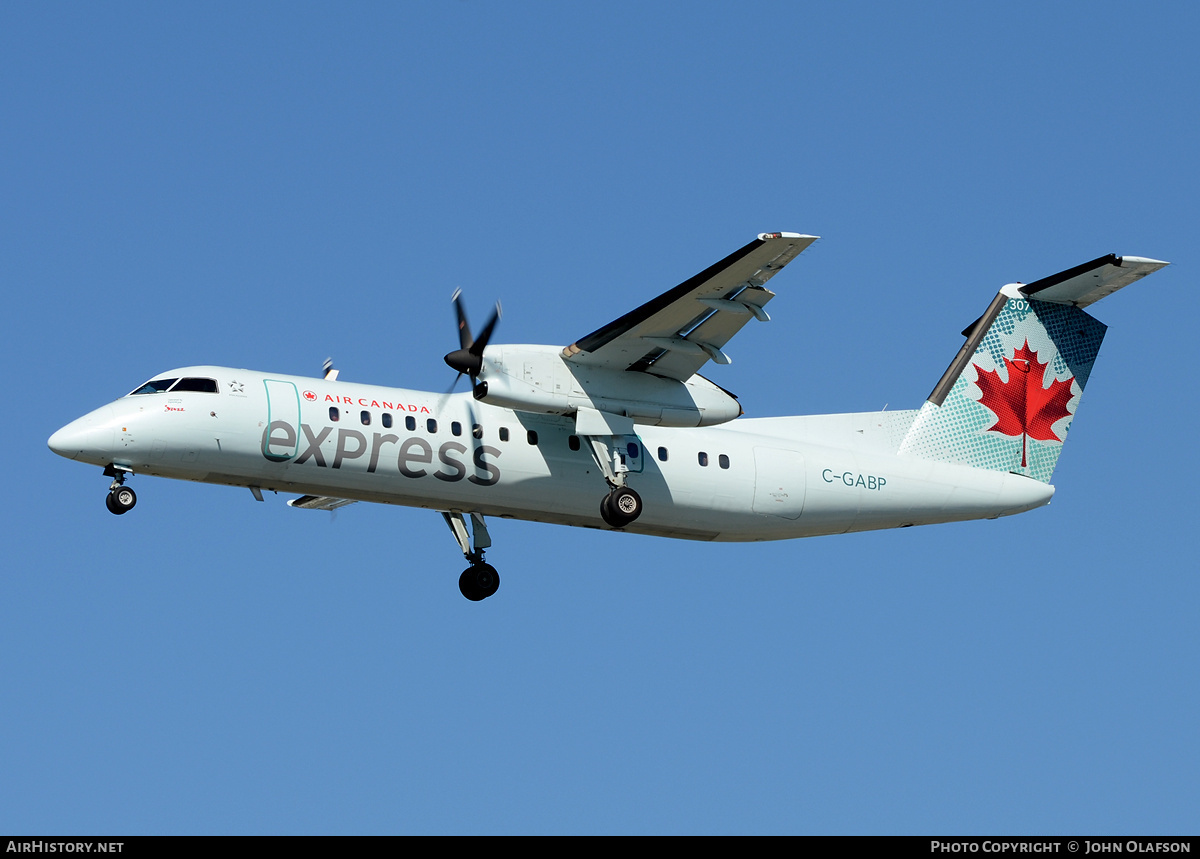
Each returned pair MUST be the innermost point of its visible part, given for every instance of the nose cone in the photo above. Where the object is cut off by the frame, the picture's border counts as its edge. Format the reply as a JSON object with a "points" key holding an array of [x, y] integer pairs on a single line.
{"points": [[89, 438], [68, 441]]}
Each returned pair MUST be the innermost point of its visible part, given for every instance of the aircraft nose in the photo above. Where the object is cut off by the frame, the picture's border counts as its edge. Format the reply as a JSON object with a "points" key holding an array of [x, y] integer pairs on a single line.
{"points": [[68, 441], [90, 435]]}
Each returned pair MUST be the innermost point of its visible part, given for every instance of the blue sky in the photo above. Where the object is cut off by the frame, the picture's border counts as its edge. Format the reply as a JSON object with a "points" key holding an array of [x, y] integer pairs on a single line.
{"points": [[265, 185]]}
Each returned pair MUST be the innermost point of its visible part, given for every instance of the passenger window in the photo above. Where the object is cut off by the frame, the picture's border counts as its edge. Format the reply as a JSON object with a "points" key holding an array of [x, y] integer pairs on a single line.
{"points": [[155, 386], [662, 454], [203, 386], [723, 461], [431, 425], [703, 458], [410, 423], [573, 442], [365, 417], [632, 448], [503, 433], [531, 437], [333, 413], [477, 431], [455, 428], [387, 420]]}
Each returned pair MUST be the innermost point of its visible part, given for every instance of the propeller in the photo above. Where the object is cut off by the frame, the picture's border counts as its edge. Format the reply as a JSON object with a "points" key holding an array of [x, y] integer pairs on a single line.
{"points": [[468, 357]]}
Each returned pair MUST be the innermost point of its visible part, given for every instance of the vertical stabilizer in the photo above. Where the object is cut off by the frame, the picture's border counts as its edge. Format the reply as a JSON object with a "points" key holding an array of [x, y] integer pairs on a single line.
{"points": [[1007, 401]]}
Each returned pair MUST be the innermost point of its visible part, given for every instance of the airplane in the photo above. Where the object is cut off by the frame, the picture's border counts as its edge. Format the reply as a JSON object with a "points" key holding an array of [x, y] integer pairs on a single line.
{"points": [[619, 430]]}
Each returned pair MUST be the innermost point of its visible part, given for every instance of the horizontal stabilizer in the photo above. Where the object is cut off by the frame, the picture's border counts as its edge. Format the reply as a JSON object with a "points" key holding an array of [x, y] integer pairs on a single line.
{"points": [[318, 502], [1088, 283]]}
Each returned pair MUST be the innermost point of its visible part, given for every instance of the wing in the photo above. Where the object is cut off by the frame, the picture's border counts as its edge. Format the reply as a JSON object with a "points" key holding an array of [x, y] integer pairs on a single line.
{"points": [[675, 334]]}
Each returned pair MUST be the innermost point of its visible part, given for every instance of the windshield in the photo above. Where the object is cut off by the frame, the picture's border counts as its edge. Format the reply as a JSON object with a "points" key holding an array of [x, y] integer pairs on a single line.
{"points": [[154, 386], [205, 386]]}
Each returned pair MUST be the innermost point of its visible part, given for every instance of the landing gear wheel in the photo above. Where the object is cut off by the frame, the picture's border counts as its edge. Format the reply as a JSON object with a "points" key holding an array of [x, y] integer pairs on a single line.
{"points": [[479, 581], [120, 500], [621, 507]]}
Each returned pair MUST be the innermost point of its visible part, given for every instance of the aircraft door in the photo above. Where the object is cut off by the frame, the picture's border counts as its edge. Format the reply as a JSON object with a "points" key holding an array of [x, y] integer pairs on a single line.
{"points": [[281, 438], [779, 482]]}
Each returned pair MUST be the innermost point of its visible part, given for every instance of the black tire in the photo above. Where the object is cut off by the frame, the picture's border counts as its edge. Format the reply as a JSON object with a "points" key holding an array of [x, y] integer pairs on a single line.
{"points": [[486, 579], [122, 499], [112, 508], [621, 507], [606, 513], [478, 582]]}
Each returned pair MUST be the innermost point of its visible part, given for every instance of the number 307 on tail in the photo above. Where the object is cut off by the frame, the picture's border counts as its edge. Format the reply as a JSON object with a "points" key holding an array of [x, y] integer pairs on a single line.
{"points": [[619, 430]]}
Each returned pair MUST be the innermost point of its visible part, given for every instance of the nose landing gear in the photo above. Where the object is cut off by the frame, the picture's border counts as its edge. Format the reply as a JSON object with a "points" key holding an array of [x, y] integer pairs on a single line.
{"points": [[120, 498], [480, 580]]}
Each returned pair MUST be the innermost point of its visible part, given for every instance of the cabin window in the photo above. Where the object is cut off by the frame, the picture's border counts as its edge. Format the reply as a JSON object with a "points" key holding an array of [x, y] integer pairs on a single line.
{"points": [[410, 423], [455, 428], [365, 417], [702, 458], [431, 425], [155, 386], [573, 442], [477, 431], [503, 433], [662, 454], [203, 386], [387, 419], [723, 461], [531, 437], [632, 449], [333, 413]]}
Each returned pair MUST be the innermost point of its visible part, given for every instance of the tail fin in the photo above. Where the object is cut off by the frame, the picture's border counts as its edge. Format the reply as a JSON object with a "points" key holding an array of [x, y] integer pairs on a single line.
{"points": [[1007, 400]]}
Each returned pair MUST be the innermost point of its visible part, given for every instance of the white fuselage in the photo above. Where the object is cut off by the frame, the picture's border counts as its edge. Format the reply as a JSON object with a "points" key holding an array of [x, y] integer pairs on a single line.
{"points": [[764, 479]]}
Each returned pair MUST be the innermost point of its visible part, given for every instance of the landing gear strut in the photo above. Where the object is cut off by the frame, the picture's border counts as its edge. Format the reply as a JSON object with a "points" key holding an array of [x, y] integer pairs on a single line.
{"points": [[120, 498], [480, 580]]}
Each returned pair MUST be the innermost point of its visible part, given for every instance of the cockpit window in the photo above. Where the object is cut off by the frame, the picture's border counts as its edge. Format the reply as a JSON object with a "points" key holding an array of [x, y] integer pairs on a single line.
{"points": [[204, 386], [154, 386]]}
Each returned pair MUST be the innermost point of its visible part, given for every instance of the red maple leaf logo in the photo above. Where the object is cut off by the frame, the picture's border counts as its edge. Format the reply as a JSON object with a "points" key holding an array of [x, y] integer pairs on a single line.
{"points": [[1021, 405]]}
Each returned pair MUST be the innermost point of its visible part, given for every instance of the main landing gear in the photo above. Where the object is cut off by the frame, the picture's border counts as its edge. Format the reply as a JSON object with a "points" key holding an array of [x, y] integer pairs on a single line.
{"points": [[120, 498], [620, 506], [480, 580]]}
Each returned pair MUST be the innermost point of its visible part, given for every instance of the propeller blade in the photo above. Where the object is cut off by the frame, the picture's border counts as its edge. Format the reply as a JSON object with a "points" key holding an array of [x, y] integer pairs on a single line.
{"points": [[464, 328], [485, 335]]}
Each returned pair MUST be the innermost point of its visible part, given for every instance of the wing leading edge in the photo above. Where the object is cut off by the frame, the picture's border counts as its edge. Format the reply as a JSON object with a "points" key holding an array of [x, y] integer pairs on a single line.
{"points": [[677, 333]]}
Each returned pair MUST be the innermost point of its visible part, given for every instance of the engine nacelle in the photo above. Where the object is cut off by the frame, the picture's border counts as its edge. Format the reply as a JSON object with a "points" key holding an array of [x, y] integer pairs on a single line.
{"points": [[537, 379]]}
